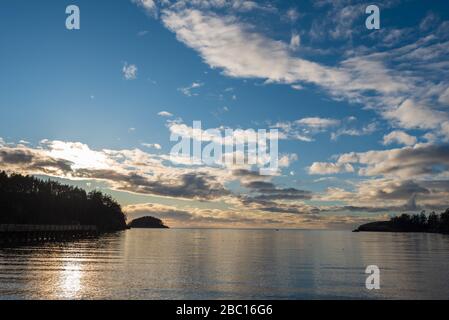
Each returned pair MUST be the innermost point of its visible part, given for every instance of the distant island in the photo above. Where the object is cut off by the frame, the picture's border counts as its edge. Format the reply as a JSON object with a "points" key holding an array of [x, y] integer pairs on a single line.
{"points": [[31, 201], [147, 222], [433, 223]]}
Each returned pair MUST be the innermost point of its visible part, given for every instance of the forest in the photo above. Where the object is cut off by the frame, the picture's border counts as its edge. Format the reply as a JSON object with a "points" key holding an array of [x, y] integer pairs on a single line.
{"points": [[28, 200], [422, 222]]}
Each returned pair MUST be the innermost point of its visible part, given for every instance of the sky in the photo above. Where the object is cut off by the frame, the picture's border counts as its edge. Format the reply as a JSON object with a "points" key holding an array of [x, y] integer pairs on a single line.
{"points": [[362, 114]]}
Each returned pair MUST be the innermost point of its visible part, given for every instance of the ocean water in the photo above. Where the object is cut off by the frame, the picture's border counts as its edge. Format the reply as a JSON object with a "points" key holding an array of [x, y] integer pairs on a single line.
{"points": [[229, 264]]}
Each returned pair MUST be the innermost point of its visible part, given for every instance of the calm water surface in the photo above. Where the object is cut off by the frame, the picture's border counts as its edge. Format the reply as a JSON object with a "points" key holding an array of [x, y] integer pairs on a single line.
{"points": [[228, 264]]}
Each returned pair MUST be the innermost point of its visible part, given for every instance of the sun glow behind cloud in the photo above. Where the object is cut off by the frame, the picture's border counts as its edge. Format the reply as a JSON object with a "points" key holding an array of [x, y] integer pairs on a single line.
{"points": [[79, 154]]}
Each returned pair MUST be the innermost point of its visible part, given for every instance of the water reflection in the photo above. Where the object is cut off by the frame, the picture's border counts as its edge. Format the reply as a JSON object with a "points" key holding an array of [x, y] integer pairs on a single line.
{"points": [[234, 264], [70, 280]]}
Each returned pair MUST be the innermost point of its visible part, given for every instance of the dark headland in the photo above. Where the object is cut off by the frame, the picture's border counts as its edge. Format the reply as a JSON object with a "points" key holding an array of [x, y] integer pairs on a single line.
{"points": [[432, 223], [147, 222]]}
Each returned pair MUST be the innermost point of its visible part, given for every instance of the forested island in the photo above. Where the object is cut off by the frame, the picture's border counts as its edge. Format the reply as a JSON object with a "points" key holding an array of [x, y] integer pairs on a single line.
{"points": [[432, 223], [147, 222], [28, 200]]}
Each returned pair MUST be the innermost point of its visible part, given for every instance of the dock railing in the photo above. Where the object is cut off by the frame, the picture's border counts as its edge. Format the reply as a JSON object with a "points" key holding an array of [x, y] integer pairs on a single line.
{"points": [[45, 228]]}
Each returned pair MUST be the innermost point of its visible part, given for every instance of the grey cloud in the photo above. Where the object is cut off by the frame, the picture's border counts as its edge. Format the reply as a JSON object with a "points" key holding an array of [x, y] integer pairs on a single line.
{"points": [[268, 191], [134, 212], [190, 185], [26, 159], [275, 207], [49, 165], [259, 185], [16, 156], [246, 173], [186, 217], [406, 162], [405, 190]]}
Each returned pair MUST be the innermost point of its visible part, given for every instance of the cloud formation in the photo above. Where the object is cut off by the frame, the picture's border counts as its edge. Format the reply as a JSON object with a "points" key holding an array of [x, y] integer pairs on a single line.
{"points": [[188, 91], [330, 168], [399, 137], [165, 114], [380, 81], [129, 71]]}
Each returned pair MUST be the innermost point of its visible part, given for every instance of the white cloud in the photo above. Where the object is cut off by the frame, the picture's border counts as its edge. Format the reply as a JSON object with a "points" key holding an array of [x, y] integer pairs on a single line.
{"points": [[330, 168], [188, 90], [79, 154], [231, 5], [295, 41], [226, 43], [304, 129], [411, 115], [149, 5], [422, 159], [218, 135], [165, 114], [316, 122], [292, 15], [156, 146], [354, 132], [338, 22], [129, 71], [444, 97], [399, 137], [286, 160], [297, 87], [379, 81]]}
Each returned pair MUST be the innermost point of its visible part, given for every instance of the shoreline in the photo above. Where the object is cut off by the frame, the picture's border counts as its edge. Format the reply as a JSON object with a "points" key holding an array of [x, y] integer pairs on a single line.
{"points": [[388, 226]]}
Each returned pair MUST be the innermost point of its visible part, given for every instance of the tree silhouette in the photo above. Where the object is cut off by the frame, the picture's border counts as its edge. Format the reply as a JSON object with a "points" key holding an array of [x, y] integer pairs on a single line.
{"points": [[147, 222], [28, 200], [422, 223]]}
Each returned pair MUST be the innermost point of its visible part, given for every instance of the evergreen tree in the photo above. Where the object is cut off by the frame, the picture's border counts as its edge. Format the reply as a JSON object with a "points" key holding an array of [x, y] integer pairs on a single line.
{"points": [[28, 200]]}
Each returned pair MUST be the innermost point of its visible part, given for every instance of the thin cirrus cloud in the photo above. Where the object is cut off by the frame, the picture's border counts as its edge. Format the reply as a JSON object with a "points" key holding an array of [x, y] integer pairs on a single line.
{"points": [[354, 132], [377, 81], [373, 80], [304, 129], [190, 90]]}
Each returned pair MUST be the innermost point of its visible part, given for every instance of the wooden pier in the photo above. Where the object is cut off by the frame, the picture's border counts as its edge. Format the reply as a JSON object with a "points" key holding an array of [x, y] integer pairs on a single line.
{"points": [[27, 233]]}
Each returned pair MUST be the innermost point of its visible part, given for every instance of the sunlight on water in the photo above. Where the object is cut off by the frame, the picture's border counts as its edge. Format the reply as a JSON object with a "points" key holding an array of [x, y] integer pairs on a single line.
{"points": [[70, 280], [228, 264]]}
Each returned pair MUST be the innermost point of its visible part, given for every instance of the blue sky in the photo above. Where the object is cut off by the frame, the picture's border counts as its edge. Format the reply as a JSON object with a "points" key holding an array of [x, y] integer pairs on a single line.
{"points": [[363, 113]]}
